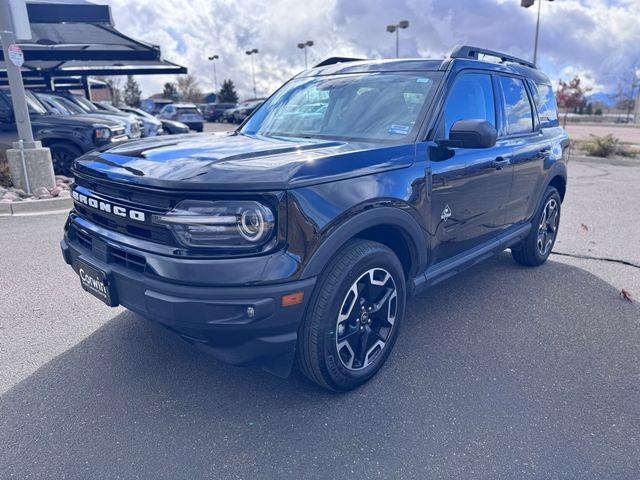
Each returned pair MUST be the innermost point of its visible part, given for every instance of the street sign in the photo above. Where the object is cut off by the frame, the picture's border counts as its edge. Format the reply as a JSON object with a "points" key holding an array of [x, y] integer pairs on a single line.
{"points": [[15, 55]]}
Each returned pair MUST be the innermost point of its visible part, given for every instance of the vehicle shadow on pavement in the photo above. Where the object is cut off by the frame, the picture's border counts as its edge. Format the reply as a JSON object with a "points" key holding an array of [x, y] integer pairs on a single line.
{"points": [[501, 372]]}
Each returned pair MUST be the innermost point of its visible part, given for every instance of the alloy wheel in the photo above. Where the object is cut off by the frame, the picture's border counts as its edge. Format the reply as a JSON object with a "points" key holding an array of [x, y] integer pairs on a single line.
{"points": [[366, 319], [548, 227]]}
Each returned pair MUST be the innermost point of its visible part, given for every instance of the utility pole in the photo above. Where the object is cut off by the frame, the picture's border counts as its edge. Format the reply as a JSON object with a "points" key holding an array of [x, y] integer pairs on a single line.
{"points": [[213, 59], [16, 86], [402, 24], [251, 53], [30, 165], [527, 4], [304, 46]]}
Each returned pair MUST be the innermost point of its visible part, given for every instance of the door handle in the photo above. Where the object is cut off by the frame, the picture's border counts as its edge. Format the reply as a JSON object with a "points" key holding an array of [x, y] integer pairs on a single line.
{"points": [[500, 162], [543, 152]]}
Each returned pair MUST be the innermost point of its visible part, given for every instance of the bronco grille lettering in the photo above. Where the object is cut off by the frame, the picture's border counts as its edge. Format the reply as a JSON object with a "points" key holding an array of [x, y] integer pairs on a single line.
{"points": [[108, 207]]}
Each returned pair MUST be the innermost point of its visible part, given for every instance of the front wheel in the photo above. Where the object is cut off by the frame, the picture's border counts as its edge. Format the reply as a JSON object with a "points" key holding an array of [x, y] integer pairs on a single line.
{"points": [[63, 155], [536, 247], [354, 316]]}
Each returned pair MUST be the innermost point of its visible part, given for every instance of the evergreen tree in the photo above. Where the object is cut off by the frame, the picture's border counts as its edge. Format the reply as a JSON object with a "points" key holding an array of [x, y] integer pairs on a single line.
{"points": [[132, 92], [170, 91], [227, 93]]}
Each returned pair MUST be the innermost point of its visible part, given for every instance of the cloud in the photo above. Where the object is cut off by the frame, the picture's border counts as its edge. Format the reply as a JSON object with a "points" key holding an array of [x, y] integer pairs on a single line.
{"points": [[597, 38]]}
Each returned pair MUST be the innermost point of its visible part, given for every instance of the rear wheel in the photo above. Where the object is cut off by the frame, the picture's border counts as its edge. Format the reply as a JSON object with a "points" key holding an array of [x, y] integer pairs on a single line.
{"points": [[63, 155], [536, 247], [354, 317]]}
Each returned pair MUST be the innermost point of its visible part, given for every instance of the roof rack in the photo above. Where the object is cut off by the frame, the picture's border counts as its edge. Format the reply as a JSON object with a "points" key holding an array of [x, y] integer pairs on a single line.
{"points": [[466, 51], [334, 60]]}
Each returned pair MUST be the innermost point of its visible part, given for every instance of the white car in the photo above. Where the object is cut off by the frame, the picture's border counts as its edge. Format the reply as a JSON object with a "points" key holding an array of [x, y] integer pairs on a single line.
{"points": [[152, 126]]}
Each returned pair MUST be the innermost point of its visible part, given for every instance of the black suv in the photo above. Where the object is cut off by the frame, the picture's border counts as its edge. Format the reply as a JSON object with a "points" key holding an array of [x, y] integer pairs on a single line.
{"points": [[68, 137], [302, 234]]}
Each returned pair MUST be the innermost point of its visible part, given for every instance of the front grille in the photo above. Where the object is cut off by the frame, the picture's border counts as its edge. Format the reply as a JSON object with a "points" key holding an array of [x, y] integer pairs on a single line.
{"points": [[128, 260], [129, 198], [84, 240], [122, 225], [108, 253]]}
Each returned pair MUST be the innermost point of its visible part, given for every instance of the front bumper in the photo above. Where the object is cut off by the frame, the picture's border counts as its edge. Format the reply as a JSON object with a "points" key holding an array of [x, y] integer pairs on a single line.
{"points": [[238, 324]]}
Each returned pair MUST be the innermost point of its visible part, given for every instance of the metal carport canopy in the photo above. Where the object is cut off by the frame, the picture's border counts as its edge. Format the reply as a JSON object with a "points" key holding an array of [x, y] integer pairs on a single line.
{"points": [[78, 38]]}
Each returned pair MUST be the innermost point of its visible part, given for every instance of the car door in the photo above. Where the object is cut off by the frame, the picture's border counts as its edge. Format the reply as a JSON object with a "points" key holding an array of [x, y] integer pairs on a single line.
{"points": [[520, 129], [469, 187]]}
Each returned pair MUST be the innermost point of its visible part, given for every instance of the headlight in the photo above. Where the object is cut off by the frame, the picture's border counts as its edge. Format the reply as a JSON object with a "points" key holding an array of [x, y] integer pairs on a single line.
{"points": [[223, 224], [102, 133]]}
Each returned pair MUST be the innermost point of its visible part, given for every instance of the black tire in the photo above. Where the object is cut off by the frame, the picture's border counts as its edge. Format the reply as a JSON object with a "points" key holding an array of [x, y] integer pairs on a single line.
{"points": [[536, 247], [318, 354], [63, 155]]}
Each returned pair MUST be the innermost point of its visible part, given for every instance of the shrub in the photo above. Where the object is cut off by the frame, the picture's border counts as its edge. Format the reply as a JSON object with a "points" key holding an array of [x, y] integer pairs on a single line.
{"points": [[602, 146], [5, 178]]}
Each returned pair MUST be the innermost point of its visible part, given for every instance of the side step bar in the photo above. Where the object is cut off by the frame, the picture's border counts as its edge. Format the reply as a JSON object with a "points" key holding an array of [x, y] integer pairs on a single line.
{"points": [[450, 267]]}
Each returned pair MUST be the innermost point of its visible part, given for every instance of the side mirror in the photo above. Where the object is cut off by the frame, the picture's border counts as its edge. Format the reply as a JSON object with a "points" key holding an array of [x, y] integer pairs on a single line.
{"points": [[471, 134], [6, 116]]}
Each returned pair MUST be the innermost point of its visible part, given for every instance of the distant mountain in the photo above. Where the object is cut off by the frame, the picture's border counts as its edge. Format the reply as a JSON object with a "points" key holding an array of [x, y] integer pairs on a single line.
{"points": [[606, 98]]}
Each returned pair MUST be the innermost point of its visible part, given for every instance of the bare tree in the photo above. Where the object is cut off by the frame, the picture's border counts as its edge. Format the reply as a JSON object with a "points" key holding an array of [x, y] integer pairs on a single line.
{"points": [[189, 89], [628, 90]]}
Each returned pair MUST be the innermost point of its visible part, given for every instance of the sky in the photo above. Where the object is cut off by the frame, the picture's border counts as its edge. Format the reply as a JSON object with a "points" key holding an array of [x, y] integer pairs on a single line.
{"points": [[596, 39]]}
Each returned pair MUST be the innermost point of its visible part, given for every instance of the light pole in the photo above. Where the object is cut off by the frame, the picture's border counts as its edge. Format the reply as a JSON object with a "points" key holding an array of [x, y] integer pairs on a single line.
{"points": [[304, 46], [527, 4], [402, 24], [251, 53], [213, 59]]}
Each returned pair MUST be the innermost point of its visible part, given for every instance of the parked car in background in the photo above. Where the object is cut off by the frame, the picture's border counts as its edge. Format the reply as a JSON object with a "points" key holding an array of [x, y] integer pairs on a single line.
{"points": [[171, 127], [133, 125], [150, 124], [111, 110], [245, 109], [186, 113], [61, 106], [228, 114], [68, 136], [154, 105], [213, 112]]}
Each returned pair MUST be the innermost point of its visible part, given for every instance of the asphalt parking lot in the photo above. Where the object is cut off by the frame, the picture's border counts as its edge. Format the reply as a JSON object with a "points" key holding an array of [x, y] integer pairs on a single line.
{"points": [[501, 372]]}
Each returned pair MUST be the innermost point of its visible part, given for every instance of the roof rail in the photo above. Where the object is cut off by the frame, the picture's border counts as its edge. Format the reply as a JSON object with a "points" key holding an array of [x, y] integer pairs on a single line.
{"points": [[334, 60], [466, 51]]}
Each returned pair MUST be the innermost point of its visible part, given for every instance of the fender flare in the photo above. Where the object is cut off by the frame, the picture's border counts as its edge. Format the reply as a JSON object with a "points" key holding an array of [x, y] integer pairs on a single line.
{"points": [[558, 169], [50, 139], [372, 217]]}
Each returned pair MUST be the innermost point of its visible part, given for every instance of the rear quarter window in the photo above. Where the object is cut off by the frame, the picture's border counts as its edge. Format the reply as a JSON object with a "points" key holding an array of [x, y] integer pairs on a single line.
{"points": [[518, 110], [546, 104]]}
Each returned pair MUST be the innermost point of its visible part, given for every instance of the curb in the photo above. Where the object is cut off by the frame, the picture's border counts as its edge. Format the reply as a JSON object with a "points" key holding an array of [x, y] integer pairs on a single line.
{"points": [[48, 205]]}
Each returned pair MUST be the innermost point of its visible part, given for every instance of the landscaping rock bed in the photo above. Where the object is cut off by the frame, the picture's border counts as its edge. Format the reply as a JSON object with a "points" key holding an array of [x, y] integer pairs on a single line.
{"points": [[61, 190]]}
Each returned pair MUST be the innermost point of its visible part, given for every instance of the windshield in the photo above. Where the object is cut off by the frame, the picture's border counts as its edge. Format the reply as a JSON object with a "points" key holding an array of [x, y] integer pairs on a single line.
{"points": [[110, 108], [53, 105], [382, 107], [33, 104], [86, 105]]}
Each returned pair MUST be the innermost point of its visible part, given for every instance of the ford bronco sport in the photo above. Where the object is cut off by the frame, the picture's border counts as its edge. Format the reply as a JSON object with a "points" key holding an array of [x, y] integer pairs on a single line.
{"points": [[298, 238]]}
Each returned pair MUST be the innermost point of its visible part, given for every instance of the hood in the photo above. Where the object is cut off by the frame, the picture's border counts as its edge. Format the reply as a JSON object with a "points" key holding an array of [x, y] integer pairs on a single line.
{"points": [[80, 120], [231, 161]]}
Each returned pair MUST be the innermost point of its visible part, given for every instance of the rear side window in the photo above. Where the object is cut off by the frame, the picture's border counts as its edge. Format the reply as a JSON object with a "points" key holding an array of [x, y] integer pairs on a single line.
{"points": [[470, 98], [546, 104], [519, 114]]}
